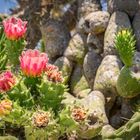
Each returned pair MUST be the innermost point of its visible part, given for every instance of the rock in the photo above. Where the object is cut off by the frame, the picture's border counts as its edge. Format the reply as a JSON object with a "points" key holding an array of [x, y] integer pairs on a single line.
{"points": [[76, 49], [128, 6], [83, 93], [96, 42], [116, 120], [69, 99], [65, 66], [90, 66], [56, 37], [136, 27], [78, 82], [118, 20], [94, 102], [96, 22], [106, 79], [86, 7], [136, 62], [126, 109]]}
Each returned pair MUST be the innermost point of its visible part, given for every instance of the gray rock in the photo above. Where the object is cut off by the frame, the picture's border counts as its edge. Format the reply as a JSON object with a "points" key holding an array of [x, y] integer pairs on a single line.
{"points": [[83, 93], [106, 79], [118, 20], [88, 6], [96, 42], [96, 22], [95, 103], [76, 49], [78, 81], [116, 120], [90, 66], [136, 63], [128, 6], [126, 110], [136, 27], [65, 66], [56, 37]]}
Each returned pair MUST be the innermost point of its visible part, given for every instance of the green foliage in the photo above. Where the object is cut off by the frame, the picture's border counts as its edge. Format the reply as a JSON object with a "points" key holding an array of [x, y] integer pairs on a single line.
{"points": [[13, 50], [18, 116], [68, 124], [51, 95], [128, 84], [3, 56], [22, 95], [127, 132], [125, 44]]}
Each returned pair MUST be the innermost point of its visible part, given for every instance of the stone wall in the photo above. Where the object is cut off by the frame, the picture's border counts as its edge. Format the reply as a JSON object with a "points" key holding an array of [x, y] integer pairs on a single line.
{"points": [[86, 55]]}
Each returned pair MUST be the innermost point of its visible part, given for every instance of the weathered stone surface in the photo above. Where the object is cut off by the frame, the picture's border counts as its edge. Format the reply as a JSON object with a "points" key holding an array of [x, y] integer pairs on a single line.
{"points": [[126, 109], [96, 42], [83, 93], [106, 79], [56, 37], [128, 6], [96, 22], [65, 66], [116, 120], [136, 62], [118, 20], [88, 6], [94, 102], [78, 82], [90, 66], [76, 49], [136, 27]]}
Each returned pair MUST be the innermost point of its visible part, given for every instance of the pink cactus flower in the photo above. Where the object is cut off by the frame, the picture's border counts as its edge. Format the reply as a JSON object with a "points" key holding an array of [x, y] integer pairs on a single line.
{"points": [[33, 63], [7, 81], [14, 28]]}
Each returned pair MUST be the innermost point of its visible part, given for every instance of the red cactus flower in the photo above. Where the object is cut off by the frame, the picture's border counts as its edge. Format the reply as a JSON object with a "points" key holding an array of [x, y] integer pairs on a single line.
{"points": [[14, 28], [7, 81], [53, 73], [33, 63]]}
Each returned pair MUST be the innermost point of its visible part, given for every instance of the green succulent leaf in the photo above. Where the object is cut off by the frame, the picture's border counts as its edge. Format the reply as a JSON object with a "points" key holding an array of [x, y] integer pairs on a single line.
{"points": [[51, 95], [125, 44]]}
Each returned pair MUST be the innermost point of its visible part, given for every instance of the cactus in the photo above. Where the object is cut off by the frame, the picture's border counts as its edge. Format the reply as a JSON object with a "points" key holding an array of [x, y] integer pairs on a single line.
{"points": [[13, 50], [42, 127], [125, 44], [8, 138], [95, 117], [127, 132], [128, 83], [3, 56], [51, 94]]}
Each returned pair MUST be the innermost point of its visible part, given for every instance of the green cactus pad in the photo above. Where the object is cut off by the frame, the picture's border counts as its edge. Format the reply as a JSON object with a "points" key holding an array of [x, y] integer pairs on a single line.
{"points": [[128, 83]]}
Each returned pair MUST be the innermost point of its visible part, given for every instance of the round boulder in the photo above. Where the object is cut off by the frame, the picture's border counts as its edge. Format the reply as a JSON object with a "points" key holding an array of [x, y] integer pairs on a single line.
{"points": [[96, 22], [128, 6], [118, 21], [56, 37], [90, 66], [106, 79]]}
